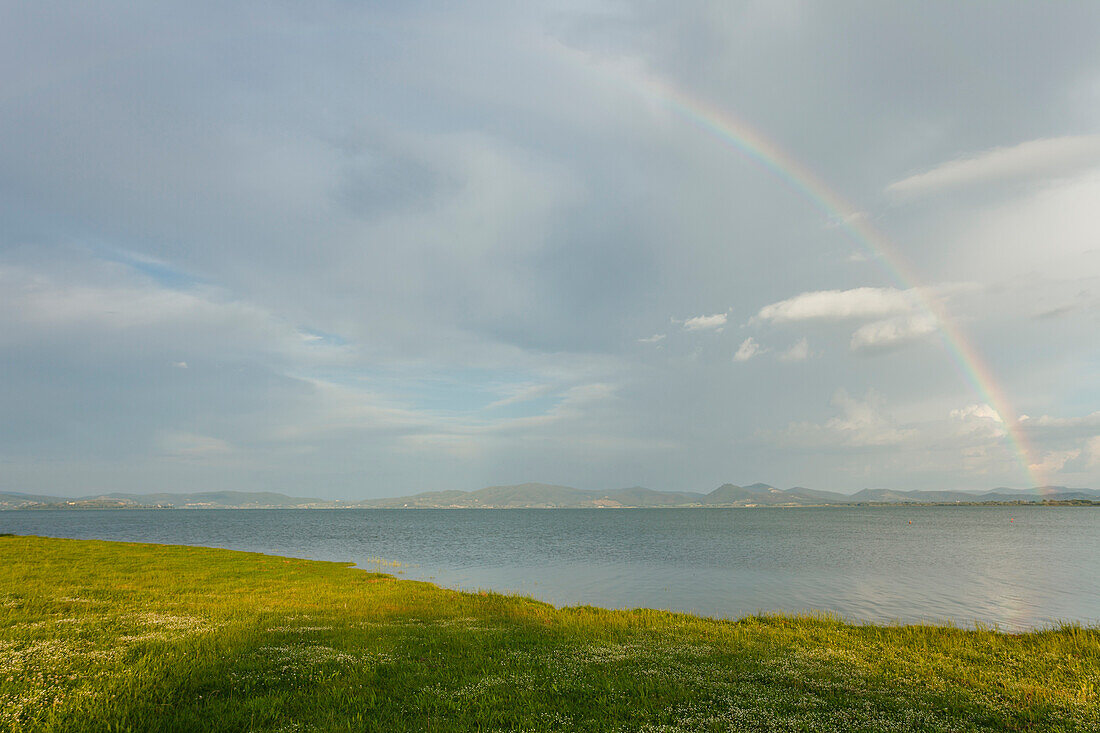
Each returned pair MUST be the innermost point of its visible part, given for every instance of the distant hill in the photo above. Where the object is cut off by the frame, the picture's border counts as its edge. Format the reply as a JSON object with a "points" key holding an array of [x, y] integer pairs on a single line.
{"points": [[999, 496], [206, 499], [638, 496], [917, 497], [236, 499], [551, 496], [733, 494], [531, 495], [16, 500], [818, 496]]}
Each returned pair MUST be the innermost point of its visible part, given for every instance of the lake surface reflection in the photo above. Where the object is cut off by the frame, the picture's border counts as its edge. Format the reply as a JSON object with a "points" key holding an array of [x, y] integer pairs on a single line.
{"points": [[1015, 567]]}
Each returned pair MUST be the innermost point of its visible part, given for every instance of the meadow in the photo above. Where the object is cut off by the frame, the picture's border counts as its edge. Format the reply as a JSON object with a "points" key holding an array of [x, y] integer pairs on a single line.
{"points": [[110, 636]]}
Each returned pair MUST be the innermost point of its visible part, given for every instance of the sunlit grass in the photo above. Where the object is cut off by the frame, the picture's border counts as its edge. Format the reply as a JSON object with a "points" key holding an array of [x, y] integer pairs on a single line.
{"points": [[112, 636]]}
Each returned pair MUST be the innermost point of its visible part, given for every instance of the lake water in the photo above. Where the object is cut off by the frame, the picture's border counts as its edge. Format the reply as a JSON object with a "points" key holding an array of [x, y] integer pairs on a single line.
{"points": [[1015, 567]]}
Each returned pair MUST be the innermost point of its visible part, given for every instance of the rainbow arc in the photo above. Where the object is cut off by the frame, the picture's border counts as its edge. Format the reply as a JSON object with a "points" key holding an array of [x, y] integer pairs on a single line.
{"points": [[742, 137]]}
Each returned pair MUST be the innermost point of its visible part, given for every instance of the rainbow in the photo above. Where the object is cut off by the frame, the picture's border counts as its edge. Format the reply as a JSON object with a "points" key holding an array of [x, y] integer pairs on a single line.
{"points": [[742, 137]]}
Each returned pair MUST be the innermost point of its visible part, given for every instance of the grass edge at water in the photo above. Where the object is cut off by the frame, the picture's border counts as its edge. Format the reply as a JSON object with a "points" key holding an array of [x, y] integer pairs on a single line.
{"points": [[107, 634]]}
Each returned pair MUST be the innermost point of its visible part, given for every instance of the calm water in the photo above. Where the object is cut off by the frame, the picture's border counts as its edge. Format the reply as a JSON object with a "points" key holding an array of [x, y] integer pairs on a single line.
{"points": [[964, 564]]}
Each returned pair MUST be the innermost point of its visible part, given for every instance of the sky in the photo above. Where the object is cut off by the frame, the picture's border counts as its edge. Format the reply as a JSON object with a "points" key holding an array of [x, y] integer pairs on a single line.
{"points": [[357, 249]]}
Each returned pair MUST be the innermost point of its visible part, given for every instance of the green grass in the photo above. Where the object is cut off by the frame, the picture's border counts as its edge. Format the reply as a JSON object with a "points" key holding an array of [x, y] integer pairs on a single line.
{"points": [[104, 636]]}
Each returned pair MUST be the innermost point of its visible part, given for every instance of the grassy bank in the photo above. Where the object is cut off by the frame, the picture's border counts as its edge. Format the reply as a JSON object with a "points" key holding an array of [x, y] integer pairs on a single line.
{"points": [[112, 636]]}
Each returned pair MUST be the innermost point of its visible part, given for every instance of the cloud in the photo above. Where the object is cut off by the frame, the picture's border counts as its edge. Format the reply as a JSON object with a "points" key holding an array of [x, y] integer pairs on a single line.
{"points": [[521, 393], [861, 424], [980, 411], [1045, 233], [1092, 446], [1046, 157], [973, 438], [1062, 445], [900, 316], [1072, 455], [1054, 461], [1087, 422], [1057, 312], [652, 339], [978, 421], [747, 350], [464, 437], [108, 297], [840, 305], [705, 323], [329, 408], [844, 220], [192, 445], [1047, 427], [111, 301], [47, 304], [799, 351], [892, 333]]}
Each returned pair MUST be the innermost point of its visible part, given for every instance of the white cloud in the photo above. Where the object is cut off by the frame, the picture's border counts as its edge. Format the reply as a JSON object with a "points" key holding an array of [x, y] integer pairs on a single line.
{"points": [[892, 332], [799, 351], [747, 350], [652, 339], [839, 305], [978, 421], [705, 323], [980, 411], [1046, 157]]}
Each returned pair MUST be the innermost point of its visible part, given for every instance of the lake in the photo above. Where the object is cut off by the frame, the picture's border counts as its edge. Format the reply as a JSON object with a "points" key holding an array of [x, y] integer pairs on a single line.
{"points": [[1014, 567]]}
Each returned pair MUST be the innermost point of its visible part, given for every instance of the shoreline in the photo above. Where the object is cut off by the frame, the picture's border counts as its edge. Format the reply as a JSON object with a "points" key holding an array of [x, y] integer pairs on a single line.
{"points": [[174, 637]]}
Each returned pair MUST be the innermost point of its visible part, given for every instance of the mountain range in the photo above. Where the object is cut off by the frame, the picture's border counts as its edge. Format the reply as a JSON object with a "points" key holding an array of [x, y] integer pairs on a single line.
{"points": [[549, 496]]}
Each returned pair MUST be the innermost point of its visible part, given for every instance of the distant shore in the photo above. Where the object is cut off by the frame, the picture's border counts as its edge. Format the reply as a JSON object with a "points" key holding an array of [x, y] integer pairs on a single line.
{"points": [[552, 496], [96, 506]]}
